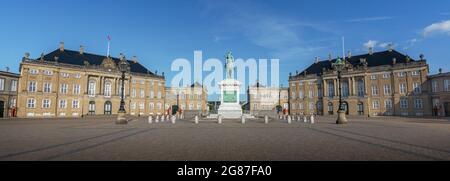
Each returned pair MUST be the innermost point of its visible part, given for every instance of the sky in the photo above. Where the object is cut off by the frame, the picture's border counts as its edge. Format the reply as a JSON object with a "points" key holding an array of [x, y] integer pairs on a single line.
{"points": [[160, 31]]}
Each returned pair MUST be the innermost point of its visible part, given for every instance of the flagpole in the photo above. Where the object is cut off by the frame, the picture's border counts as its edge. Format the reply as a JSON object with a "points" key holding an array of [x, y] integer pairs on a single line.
{"points": [[108, 47], [343, 48]]}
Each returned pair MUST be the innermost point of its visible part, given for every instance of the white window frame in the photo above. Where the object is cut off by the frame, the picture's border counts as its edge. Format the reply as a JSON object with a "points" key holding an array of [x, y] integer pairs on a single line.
{"points": [[63, 88], [387, 89], [91, 88], [403, 103], [46, 103], [375, 104], [32, 86], [388, 104], [31, 103], [75, 104], [417, 88], [374, 90], [62, 104], [418, 103], [402, 88], [13, 85], [76, 89], [434, 86]]}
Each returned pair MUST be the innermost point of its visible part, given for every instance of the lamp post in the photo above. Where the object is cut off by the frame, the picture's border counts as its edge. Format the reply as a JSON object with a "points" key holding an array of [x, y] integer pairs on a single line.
{"points": [[339, 65], [123, 67]]}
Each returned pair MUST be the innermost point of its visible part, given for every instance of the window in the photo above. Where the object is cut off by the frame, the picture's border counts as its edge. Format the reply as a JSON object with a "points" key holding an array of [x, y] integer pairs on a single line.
{"points": [[47, 87], [142, 82], [159, 94], [46, 103], [301, 106], [434, 86], [76, 89], [142, 94], [152, 94], [199, 106], [311, 106], [402, 88], [376, 104], [387, 89], [417, 88], [48, 72], [13, 85], [63, 89], [386, 76], [133, 105], [2, 84], [374, 90], [120, 90], [418, 103], [158, 105], [403, 103], [151, 106], [311, 93], [133, 92], [13, 103], [191, 106], [75, 104], [32, 86], [373, 77], [31, 103], [360, 88], [447, 85], [65, 75], [401, 74], [34, 71], [330, 89], [91, 89], [77, 76], [388, 104], [301, 94], [107, 91], [141, 106], [345, 89], [415, 73], [62, 104]]}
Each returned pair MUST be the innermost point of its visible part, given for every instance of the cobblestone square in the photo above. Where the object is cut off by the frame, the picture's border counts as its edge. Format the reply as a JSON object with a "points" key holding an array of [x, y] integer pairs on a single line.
{"points": [[381, 138]]}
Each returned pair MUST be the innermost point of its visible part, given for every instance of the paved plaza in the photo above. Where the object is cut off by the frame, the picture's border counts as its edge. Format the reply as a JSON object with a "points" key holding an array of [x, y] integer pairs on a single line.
{"points": [[382, 138]]}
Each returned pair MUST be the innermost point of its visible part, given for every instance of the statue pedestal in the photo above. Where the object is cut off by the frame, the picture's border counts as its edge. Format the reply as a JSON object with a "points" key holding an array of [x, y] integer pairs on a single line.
{"points": [[229, 99]]}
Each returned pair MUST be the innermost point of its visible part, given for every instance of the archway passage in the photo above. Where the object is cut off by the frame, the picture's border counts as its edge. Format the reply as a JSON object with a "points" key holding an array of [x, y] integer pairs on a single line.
{"points": [[345, 107], [2, 109], [108, 108]]}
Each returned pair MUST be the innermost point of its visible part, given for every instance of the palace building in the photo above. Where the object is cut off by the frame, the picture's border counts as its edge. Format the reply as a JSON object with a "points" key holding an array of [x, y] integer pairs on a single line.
{"points": [[8, 94], [377, 83], [67, 83], [261, 98], [439, 84], [192, 98]]}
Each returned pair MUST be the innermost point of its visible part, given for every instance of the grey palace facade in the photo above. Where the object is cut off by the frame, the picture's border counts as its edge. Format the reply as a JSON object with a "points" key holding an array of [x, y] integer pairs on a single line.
{"points": [[373, 84]]}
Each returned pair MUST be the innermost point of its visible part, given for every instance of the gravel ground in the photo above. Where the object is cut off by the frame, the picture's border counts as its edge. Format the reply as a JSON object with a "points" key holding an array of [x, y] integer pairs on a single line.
{"points": [[382, 138]]}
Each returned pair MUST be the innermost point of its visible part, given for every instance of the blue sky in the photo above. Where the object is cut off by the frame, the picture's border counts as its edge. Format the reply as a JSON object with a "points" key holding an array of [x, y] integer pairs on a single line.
{"points": [[158, 32]]}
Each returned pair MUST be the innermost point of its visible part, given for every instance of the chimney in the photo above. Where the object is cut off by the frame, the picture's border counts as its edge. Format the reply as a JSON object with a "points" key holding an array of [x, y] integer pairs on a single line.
{"points": [[56, 59], [61, 46], [7, 69], [121, 56], [408, 59], [134, 59], [440, 70], [42, 57], [394, 61], [27, 55], [81, 49], [329, 57], [390, 47], [349, 54], [317, 60], [370, 50]]}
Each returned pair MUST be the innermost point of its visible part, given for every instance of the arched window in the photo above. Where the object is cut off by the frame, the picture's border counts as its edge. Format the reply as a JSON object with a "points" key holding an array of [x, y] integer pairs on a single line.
{"points": [[108, 108], [91, 88], [91, 107], [107, 89]]}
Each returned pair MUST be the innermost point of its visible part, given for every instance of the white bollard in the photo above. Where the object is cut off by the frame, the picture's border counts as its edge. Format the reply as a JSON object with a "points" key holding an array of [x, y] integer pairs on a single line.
{"points": [[266, 119], [150, 119], [289, 119], [157, 119], [220, 119], [312, 119], [196, 119], [173, 119], [162, 118], [243, 119], [305, 119], [299, 118], [168, 117]]}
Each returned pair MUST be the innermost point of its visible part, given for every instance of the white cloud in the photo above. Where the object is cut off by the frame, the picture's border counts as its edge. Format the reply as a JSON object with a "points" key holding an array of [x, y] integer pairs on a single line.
{"points": [[377, 18], [437, 28], [370, 44]]}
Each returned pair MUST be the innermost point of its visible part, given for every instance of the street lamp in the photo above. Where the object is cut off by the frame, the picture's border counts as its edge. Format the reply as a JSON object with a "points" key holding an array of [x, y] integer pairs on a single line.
{"points": [[123, 67], [339, 65]]}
